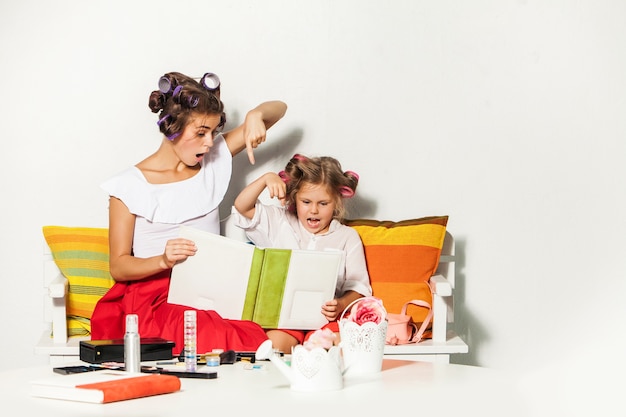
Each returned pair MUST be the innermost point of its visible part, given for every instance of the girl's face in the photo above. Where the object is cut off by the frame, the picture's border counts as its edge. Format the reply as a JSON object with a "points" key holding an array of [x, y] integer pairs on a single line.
{"points": [[315, 207], [197, 138]]}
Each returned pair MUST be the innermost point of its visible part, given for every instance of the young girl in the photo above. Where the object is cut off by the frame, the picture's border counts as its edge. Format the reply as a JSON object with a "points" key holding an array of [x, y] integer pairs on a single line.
{"points": [[312, 193], [182, 183]]}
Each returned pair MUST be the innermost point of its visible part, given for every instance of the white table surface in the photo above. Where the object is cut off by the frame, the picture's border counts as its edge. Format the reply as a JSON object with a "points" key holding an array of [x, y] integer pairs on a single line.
{"points": [[402, 388]]}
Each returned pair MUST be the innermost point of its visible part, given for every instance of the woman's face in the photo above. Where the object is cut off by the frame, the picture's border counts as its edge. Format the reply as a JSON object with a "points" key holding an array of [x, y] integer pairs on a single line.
{"points": [[196, 139], [315, 207]]}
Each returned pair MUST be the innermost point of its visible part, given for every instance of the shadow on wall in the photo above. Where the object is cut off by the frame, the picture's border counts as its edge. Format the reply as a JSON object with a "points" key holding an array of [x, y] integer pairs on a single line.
{"points": [[280, 148], [465, 324], [360, 207]]}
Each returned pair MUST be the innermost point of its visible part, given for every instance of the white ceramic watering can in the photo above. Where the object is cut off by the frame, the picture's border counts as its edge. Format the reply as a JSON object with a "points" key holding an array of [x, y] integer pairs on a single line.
{"points": [[311, 370]]}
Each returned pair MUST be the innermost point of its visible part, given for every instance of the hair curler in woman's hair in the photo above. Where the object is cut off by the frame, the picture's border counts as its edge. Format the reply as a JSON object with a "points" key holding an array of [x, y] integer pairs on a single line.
{"points": [[176, 93], [162, 119], [210, 81], [193, 101], [167, 83]]}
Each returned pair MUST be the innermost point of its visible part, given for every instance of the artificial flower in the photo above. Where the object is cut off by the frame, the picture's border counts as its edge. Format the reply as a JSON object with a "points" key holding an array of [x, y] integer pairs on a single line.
{"points": [[324, 338], [367, 309]]}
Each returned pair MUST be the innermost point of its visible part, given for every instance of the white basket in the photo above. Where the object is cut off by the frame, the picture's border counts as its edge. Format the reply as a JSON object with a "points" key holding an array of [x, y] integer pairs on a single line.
{"points": [[362, 345]]}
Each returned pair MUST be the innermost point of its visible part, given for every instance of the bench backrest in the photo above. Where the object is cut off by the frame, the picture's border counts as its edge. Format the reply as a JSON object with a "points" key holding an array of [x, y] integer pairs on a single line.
{"points": [[445, 268]]}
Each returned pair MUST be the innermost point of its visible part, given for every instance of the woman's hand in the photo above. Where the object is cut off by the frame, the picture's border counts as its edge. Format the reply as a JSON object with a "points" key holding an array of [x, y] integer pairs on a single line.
{"points": [[254, 132], [177, 250], [251, 133]]}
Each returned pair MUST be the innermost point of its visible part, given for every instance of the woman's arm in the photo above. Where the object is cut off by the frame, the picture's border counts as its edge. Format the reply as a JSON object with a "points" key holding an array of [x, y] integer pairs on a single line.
{"points": [[252, 132], [245, 203], [126, 267]]}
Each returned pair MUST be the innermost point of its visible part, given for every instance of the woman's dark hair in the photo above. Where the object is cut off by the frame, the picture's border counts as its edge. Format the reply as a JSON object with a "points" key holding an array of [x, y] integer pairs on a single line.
{"points": [[177, 98], [323, 170]]}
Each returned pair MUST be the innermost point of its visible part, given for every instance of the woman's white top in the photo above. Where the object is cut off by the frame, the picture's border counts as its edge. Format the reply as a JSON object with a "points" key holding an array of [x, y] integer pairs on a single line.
{"points": [[160, 209]]}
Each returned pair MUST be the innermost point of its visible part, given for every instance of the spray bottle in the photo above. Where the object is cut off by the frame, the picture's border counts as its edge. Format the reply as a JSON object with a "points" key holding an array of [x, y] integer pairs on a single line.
{"points": [[132, 344]]}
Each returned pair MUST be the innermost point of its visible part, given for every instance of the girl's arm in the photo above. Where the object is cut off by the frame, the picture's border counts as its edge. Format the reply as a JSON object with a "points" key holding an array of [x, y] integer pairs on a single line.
{"points": [[126, 267], [245, 202], [252, 132], [356, 279]]}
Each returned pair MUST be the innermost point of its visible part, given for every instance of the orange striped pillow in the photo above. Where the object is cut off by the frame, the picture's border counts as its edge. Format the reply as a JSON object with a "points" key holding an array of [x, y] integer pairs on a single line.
{"points": [[401, 257], [82, 256]]}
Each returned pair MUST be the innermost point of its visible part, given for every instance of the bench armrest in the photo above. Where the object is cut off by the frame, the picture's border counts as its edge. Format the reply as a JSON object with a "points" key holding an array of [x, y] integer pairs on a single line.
{"points": [[58, 287], [442, 307], [440, 285], [57, 291]]}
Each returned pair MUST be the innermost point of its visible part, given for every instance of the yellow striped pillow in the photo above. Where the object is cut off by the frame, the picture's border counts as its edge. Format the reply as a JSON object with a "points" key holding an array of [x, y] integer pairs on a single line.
{"points": [[401, 257], [82, 255]]}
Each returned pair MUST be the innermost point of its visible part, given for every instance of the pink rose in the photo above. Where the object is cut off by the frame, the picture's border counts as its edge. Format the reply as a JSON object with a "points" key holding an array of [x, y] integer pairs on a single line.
{"points": [[324, 338], [368, 309]]}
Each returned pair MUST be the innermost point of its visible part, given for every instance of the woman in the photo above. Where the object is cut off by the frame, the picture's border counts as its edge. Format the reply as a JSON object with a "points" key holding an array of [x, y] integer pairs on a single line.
{"points": [[182, 183]]}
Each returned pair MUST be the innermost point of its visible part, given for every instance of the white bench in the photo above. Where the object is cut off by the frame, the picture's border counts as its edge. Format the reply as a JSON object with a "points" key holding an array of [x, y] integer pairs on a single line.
{"points": [[444, 341]]}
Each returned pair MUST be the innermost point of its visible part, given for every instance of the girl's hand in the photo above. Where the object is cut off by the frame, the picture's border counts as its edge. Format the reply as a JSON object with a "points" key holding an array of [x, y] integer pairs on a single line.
{"points": [[276, 186], [254, 132], [331, 310], [177, 250]]}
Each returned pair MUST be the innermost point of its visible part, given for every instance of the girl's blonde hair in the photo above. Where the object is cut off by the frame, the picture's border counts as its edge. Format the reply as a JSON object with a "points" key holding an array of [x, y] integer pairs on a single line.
{"points": [[323, 170]]}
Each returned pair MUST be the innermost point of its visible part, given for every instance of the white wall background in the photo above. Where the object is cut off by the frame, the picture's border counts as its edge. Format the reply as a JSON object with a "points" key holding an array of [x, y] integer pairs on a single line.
{"points": [[507, 115]]}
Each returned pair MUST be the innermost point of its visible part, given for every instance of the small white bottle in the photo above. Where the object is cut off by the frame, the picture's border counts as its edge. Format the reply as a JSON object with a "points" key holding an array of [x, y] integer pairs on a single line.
{"points": [[132, 344], [191, 361]]}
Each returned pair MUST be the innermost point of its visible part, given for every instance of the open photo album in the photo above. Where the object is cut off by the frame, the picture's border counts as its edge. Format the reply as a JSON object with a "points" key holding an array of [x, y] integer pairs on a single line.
{"points": [[276, 288]]}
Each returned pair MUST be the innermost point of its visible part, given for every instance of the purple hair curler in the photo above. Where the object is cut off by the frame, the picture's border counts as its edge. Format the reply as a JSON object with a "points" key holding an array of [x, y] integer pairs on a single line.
{"points": [[162, 119], [193, 101], [177, 91], [165, 84], [210, 81]]}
